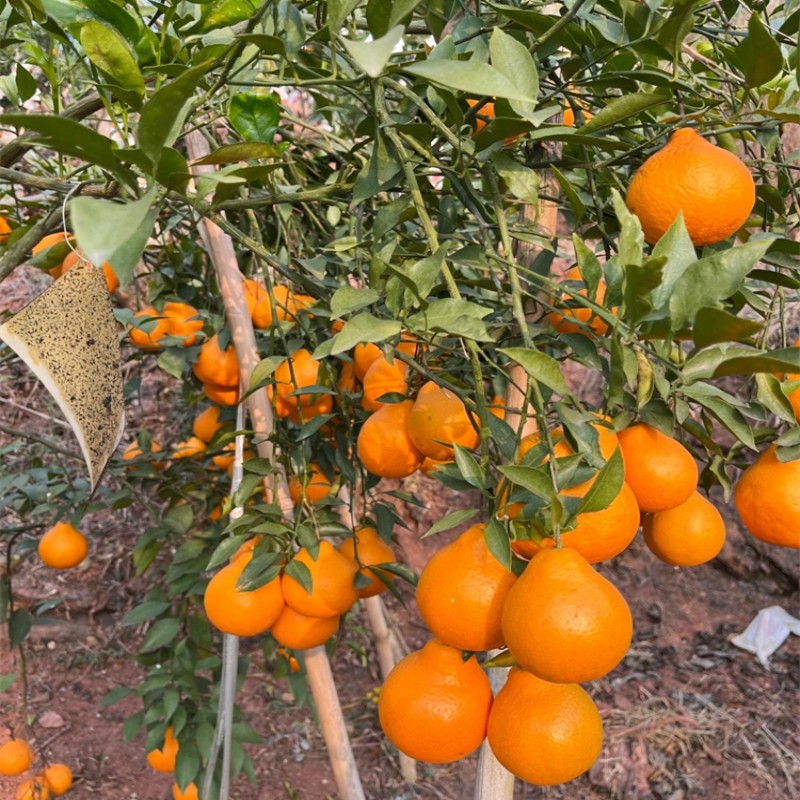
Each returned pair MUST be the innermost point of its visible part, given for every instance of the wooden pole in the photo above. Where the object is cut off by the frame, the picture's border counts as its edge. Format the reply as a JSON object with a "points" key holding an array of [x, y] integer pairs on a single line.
{"points": [[229, 278]]}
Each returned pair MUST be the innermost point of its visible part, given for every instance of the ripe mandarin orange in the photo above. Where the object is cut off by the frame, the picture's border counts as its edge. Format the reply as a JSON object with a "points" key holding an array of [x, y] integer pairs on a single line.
{"points": [[148, 328], [163, 759], [238, 612], [297, 372], [58, 778], [712, 187], [34, 789], [384, 445], [438, 420], [311, 487], [134, 451], [183, 322], [366, 352], [767, 498], [332, 591], [564, 621], [367, 548], [16, 756], [301, 412], [189, 448], [189, 793], [299, 632], [63, 546], [461, 592], [5, 229], [207, 423], [383, 378], [217, 366], [51, 240], [545, 733], [575, 319], [598, 535], [434, 706], [687, 535], [660, 470], [222, 395]]}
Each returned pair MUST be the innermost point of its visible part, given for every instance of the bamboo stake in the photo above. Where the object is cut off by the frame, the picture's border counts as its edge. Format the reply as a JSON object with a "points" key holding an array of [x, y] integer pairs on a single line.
{"points": [[229, 278]]}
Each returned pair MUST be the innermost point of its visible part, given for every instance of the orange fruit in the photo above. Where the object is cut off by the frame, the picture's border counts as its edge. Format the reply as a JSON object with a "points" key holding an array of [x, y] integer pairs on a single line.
{"points": [[57, 778], [383, 378], [63, 546], [134, 451], [569, 113], [301, 412], [287, 303], [598, 535], [300, 632], [430, 465], [384, 445], [222, 395], [312, 487], [34, 789], [562, 320], [299, 371], [5, 229], [544, 733], [189, 448], [207, 423], [16, 756], [434, 706], [687, 535], [794, 400], [189, 793], [238, 612], [348, 382], [183, 322], [217, 366], [461, 592], [366, 352], [660, 470], [258, 305], [767, 498], [484, 115], [712, 187], [49, 241], [163, 759], [367, 549], [112, 281], [565, 622], [225, 459], [147, 333], [438, 420], [332, 591]]}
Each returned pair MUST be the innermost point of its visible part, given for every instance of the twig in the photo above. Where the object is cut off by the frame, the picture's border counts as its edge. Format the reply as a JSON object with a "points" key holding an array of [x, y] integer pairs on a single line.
{"points": [[40, 440]]}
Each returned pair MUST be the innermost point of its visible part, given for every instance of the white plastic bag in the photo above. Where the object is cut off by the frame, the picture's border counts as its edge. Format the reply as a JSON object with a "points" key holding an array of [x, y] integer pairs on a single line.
{"points": [[767, 632]]}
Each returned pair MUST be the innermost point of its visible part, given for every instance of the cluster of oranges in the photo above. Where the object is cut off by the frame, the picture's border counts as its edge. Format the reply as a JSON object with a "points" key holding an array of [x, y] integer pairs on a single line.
{"points": [[302, 606], [17, 757]]}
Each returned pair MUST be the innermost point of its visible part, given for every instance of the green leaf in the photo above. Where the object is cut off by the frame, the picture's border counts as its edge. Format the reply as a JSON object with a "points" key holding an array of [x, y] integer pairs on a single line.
{"points": [[115, 695], [497, 541], [522, 181], [472, 77], [534, 479], [109, 52], [347, 299], [145, 611], [715, 402], [542, 368], [469, 468], [714, 325], [224, 13], [623, 108], [677, 26], [361, 328], [711, 280], [255, 116], [71, 138], [163, 115], [163, 633], [758, 55], [631, 239], [300, 572], [6, 681], [19, 626], [240, 151], [640, 281], [26, 83], [605, 487], [456, 317], [514, 60], [726, 360], [676, 246], [772, 397], [113, 232], [450, 521], [420, 276], [373, 56], [338, 11], [378, 174]]}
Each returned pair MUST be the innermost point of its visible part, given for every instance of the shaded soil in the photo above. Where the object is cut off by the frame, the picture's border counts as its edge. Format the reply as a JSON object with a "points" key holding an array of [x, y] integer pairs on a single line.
{"points": [[687, 715]]}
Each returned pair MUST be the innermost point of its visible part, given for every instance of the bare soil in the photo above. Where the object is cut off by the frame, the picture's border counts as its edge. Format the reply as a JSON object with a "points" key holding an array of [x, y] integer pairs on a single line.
{"points": [[687, 715]]}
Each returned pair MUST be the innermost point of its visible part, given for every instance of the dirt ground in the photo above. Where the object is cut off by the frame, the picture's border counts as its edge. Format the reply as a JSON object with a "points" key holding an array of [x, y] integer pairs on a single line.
{"points": [[687, 715]]}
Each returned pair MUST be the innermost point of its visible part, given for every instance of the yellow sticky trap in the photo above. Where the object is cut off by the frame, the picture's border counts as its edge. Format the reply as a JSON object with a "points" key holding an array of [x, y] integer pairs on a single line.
{"points": [[68, 338]]}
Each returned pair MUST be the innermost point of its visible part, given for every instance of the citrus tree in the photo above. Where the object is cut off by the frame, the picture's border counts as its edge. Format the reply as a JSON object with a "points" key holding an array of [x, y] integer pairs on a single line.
{"points": [[545, 253]]}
